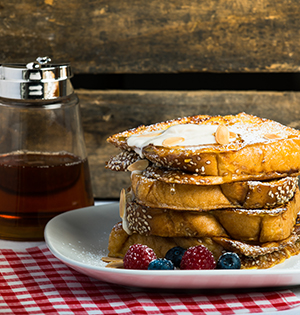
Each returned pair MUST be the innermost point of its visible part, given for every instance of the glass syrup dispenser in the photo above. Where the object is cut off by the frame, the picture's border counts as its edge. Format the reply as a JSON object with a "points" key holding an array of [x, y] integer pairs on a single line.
{"points": [[43, 161]]}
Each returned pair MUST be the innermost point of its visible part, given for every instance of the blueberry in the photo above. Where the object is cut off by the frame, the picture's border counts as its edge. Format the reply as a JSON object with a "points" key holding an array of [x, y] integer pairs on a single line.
{"points": [[175, 255], [161, 264], [229, 261]]}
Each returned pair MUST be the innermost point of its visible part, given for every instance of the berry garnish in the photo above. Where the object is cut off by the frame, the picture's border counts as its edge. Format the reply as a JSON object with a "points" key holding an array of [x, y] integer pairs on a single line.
{"points": [[175, 255], [198, 257], [161, 264], [229, 261], [138, 257]]}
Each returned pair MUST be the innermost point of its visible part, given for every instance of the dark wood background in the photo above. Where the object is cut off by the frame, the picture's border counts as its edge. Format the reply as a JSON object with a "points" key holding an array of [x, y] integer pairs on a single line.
{"points": [[140, 62]]}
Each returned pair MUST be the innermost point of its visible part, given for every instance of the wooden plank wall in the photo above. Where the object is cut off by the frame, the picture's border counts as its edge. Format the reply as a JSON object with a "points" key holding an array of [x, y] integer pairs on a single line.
{"points": [[123, 37], [113, 36]]}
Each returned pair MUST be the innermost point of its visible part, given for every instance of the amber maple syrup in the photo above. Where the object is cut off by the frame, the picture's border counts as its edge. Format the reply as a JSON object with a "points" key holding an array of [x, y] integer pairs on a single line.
{"points": [[34, 187]]}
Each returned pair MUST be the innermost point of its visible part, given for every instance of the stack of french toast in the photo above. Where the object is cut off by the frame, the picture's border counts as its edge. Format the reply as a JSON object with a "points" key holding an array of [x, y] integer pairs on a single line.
{"points": [[229, 183]]}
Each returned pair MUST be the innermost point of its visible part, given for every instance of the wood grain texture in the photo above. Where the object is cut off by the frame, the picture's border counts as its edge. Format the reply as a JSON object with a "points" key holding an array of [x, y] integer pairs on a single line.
{"points": [[107, 112], [113, 36]]}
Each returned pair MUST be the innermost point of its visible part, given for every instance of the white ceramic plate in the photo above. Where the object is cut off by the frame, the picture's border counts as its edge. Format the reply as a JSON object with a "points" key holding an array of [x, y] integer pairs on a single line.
{"points": [[79, 238]]}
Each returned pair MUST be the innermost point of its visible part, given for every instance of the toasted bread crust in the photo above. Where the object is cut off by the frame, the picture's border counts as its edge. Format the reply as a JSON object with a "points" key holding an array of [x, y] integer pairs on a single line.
{"points": [[252, 153], [120, 241], [259, 159], [248, 194], [276, 253], [172, 176], [122, 161], [261, 225]]}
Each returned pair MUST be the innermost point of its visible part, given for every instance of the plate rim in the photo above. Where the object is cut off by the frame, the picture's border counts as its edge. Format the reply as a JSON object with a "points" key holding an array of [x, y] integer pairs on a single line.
{"points": [[216, 272]]}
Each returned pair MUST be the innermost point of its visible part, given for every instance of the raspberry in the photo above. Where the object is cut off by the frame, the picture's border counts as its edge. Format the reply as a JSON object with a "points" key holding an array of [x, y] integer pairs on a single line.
{"points": [[198, 257], [138, 257]]}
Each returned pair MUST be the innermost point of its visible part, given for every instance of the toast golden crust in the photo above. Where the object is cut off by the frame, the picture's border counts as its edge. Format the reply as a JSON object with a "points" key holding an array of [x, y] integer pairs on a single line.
{"points": [[261, 225], [282, 156], [122, 161], [267, 255], [179, 177], [262, 148], [248, 194], [120, 241]]}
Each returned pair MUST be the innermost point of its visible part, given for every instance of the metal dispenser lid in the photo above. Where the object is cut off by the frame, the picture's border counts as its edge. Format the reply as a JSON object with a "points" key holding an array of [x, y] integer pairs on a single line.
{"points": [[35, 80]]}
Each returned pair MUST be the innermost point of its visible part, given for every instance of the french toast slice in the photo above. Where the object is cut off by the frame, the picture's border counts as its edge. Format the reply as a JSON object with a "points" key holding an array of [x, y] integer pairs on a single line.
{"points": [[175, 176], [259, 147], [253, 256], [120, 241], [153, 193], [260, 225]]}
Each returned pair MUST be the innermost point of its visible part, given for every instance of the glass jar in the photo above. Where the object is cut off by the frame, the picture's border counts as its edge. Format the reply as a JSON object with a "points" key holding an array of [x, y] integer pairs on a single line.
{"points": [[44, 168]]}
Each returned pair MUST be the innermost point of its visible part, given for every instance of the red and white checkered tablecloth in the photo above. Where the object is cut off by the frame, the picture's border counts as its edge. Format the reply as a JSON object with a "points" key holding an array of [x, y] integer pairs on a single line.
{"points": [[34, 282]]}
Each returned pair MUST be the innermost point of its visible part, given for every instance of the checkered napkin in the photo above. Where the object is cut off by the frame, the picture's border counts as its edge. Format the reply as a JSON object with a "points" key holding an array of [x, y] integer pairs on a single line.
{"points": [[35, 282]]}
